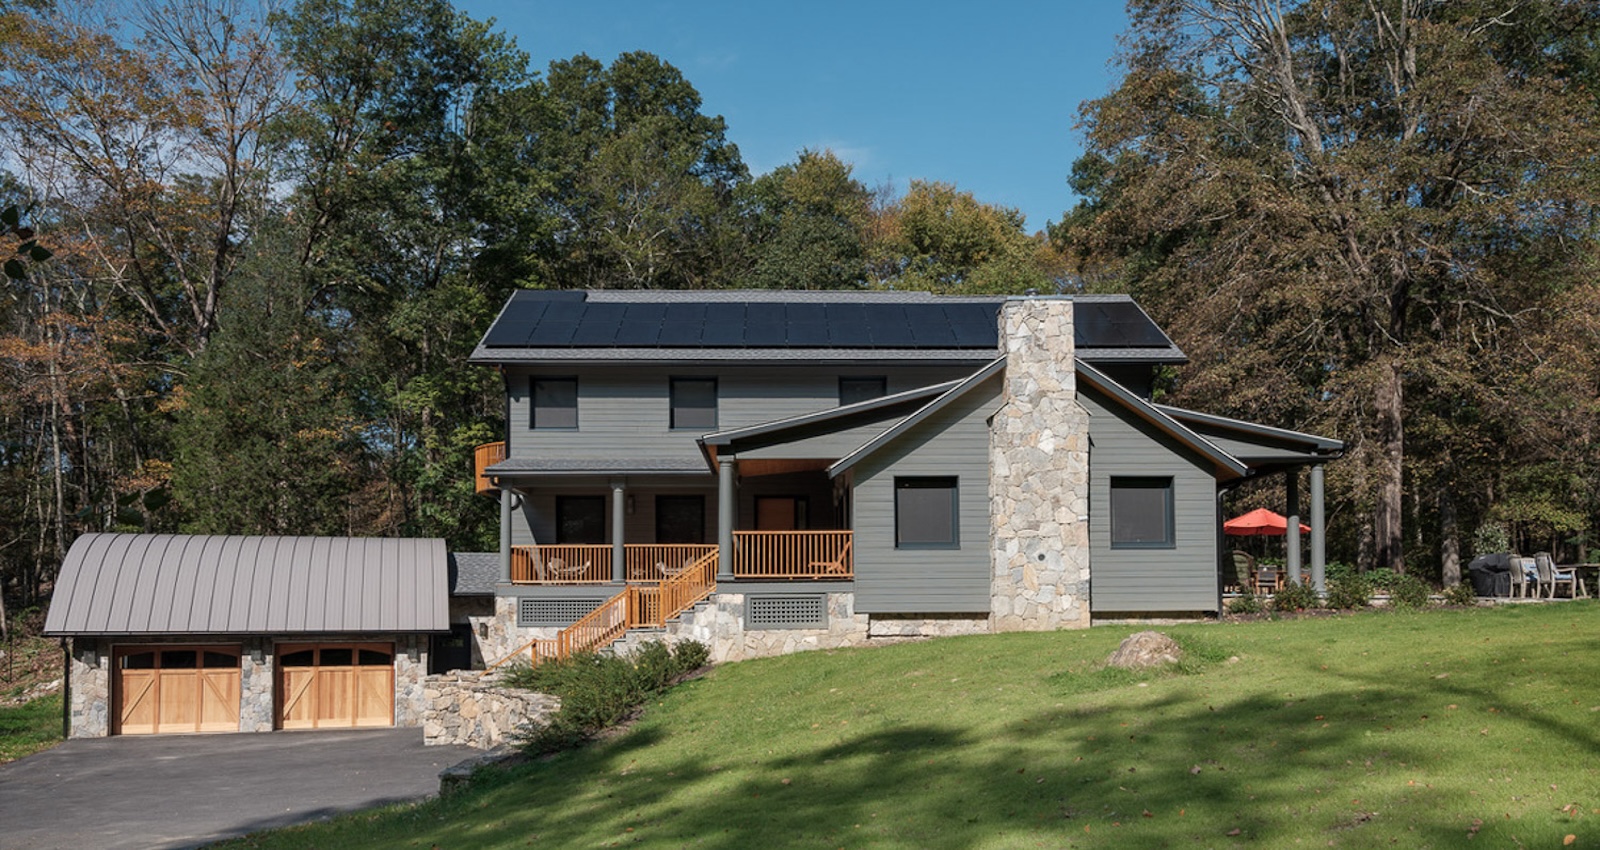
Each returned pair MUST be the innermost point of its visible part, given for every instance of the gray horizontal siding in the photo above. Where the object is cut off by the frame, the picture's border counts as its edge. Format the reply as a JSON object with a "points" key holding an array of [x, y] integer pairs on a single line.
{"points": [[954, 441], [1183, 578], [623, 410]]}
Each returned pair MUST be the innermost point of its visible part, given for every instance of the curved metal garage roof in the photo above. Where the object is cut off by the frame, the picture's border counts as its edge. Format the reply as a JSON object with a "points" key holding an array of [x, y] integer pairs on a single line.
{"points": [[129, 584]]}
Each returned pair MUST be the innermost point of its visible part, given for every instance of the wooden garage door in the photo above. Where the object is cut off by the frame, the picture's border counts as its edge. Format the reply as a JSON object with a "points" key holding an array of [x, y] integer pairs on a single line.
{"points": [[335, 685], [163, 689]]}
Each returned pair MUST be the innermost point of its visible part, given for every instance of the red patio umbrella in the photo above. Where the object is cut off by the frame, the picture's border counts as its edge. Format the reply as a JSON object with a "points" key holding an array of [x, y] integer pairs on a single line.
{"points": [[1260, 523]]}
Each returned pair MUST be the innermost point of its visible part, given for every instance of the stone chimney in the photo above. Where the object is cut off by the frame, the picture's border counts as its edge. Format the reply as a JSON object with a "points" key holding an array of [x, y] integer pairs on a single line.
{"points": [[1039, 475]]}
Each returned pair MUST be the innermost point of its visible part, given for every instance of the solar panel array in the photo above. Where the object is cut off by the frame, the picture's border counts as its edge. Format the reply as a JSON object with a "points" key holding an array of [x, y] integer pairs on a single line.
{"points": [[552, 319]]}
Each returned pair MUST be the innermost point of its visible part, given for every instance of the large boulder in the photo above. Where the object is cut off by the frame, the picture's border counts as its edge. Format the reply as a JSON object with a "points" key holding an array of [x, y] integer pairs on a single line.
{"points": [[1146, 649]]}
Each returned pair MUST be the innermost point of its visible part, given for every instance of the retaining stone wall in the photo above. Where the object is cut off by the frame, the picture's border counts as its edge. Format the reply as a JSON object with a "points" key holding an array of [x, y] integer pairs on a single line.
{"points": [[475, 710]]}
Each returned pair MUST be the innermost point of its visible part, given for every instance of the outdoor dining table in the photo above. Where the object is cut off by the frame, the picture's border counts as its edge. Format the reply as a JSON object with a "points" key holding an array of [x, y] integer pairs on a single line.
{"points": [[1578, 570]]}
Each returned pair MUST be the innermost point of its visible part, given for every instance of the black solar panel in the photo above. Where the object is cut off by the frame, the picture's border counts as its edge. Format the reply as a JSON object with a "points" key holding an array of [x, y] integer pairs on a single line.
{"points": [[806, 334], [680, 334], [1118, 324], [537, 318]]}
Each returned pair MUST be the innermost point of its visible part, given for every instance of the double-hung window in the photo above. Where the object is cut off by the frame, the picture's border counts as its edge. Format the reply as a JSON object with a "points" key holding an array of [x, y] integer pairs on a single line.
{"points": [[694, 403], [555, 404]]}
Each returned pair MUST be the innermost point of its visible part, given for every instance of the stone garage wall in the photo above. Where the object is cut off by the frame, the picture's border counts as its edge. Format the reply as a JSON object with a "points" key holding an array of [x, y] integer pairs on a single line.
{"points": [[475, 710], [90, 681]]}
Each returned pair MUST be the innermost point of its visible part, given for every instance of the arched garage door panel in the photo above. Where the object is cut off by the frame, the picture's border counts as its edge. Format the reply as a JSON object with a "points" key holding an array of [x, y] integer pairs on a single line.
{"points": [[163, 689], [329, 685]]}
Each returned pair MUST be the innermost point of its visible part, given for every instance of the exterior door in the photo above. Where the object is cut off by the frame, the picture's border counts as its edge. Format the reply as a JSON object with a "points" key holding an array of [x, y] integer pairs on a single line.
{"points": [[780, 513], [323, 686], [166, 689]]}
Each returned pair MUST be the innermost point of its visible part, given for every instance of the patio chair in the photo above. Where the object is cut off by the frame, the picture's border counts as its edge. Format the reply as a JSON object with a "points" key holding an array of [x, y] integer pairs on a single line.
{"points": [[1524, 572], [563, 570], [1267, 580], [1235, 565], [835, 566], [1551, 578]]}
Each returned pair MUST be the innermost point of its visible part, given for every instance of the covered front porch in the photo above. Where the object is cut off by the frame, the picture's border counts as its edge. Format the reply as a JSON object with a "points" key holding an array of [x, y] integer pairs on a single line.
{"points": [[757, 555]]}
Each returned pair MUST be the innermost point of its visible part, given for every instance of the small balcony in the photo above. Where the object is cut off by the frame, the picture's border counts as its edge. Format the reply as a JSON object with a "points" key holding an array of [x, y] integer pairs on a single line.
{"points": [[483, 457], [757, 556]]}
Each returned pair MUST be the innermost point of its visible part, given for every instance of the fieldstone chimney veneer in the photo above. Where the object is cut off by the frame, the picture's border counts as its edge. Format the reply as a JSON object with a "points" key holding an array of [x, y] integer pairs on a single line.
{"points": [[1039, 475]]}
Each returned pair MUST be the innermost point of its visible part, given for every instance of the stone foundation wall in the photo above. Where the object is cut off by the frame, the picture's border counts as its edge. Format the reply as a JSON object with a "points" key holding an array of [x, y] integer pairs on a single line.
{"points": [[926, 625], [475, 710], [1039, 476], [255, 685], [503, 635], [719, 624]]}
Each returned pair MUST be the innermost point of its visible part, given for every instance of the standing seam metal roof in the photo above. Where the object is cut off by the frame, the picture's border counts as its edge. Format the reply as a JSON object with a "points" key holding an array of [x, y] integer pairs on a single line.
{"points": [[209, 584]]}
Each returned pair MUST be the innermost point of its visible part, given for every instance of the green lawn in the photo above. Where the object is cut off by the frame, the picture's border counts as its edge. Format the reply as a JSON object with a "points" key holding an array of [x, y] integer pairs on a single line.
{"points": [[1372, 730], [28, 728]]}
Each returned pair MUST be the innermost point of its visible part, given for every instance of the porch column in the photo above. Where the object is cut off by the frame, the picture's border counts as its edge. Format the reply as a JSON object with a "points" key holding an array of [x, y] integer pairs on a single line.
{"points": [[1319, 549], [619, 555], [726, 506], [506, 514], [1291, 487]]}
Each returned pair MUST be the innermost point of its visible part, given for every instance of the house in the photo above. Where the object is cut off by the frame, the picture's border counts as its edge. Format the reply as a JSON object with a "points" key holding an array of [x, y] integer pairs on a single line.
{"points": [[761, 471], [771, 471]]}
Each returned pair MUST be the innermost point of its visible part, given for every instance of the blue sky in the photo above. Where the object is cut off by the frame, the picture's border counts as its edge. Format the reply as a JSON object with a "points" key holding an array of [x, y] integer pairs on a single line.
{"points": [[984, 96]]}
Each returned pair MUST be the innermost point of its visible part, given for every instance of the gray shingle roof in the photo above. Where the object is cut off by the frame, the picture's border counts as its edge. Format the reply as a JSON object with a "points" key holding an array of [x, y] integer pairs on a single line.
{"points": [[127, 584], [474, 573]]}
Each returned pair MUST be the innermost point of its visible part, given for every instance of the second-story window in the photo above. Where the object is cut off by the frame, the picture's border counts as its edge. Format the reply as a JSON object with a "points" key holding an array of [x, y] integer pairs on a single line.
{"points": [[555, 403], [854, 389], [694, 403]]}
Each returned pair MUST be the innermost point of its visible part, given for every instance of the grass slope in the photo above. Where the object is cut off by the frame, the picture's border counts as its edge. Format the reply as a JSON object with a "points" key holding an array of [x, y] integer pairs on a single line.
{"points": [[30, 727], [1377, 729]]}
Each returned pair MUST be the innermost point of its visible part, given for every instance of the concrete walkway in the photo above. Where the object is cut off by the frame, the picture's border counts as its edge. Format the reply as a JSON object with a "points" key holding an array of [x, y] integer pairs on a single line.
{"points": [[186, 790]]}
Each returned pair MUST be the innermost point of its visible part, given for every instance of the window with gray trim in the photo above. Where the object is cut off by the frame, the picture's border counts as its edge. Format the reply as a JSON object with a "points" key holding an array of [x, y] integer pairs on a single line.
{"points": [[925, 513], [694, 402], [855, 389], [1141, 513], [555, 404]]}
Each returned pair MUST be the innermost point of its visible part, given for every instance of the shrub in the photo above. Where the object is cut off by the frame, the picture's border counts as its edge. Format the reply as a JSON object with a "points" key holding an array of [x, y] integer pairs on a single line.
{"points": [[1409, 592], [1460, 594], [1295, 597], [1489, 538], [1245, 603], [600, 691], [1382, 578], [1350, 592], [1338, 571]]}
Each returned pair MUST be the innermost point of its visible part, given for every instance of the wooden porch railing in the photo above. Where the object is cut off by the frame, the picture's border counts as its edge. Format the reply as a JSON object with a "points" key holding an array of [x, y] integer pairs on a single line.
{"points": [[483, 457], [561, 564], [793, 554], [652, 562], [635, 606]]}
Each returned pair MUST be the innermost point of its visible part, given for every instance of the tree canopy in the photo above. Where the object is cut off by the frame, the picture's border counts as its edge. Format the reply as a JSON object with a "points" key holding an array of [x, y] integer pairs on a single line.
{"points": [[1374, 220]]}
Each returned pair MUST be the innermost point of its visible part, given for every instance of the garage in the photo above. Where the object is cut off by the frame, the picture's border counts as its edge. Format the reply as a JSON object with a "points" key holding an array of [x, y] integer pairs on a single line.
{"points": [[335, 686], [178, 634], [168, 689]]}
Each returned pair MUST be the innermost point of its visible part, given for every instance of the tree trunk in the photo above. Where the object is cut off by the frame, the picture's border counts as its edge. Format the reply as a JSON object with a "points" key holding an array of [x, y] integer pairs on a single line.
{"points": [[1450, 538], [1387, 520]]}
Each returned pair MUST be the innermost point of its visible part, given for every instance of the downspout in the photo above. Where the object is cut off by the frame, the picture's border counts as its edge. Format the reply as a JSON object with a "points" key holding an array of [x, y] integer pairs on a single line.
{"points": [[1222, 546], [66, 690]]}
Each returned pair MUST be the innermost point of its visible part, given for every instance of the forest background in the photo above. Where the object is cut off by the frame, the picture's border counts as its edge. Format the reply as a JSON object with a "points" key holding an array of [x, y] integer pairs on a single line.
{"points": [[273, 239]]}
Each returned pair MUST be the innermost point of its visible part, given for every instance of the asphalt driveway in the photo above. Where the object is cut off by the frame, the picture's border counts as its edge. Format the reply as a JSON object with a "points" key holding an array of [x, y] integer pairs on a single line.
{"points": [[185, 790]]}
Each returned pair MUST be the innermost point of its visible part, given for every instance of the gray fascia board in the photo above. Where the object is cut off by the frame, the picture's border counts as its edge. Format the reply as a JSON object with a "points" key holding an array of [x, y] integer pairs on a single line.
{"points": [[1149, 412], [1318, 443], [512, 356], [939, 403]]}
